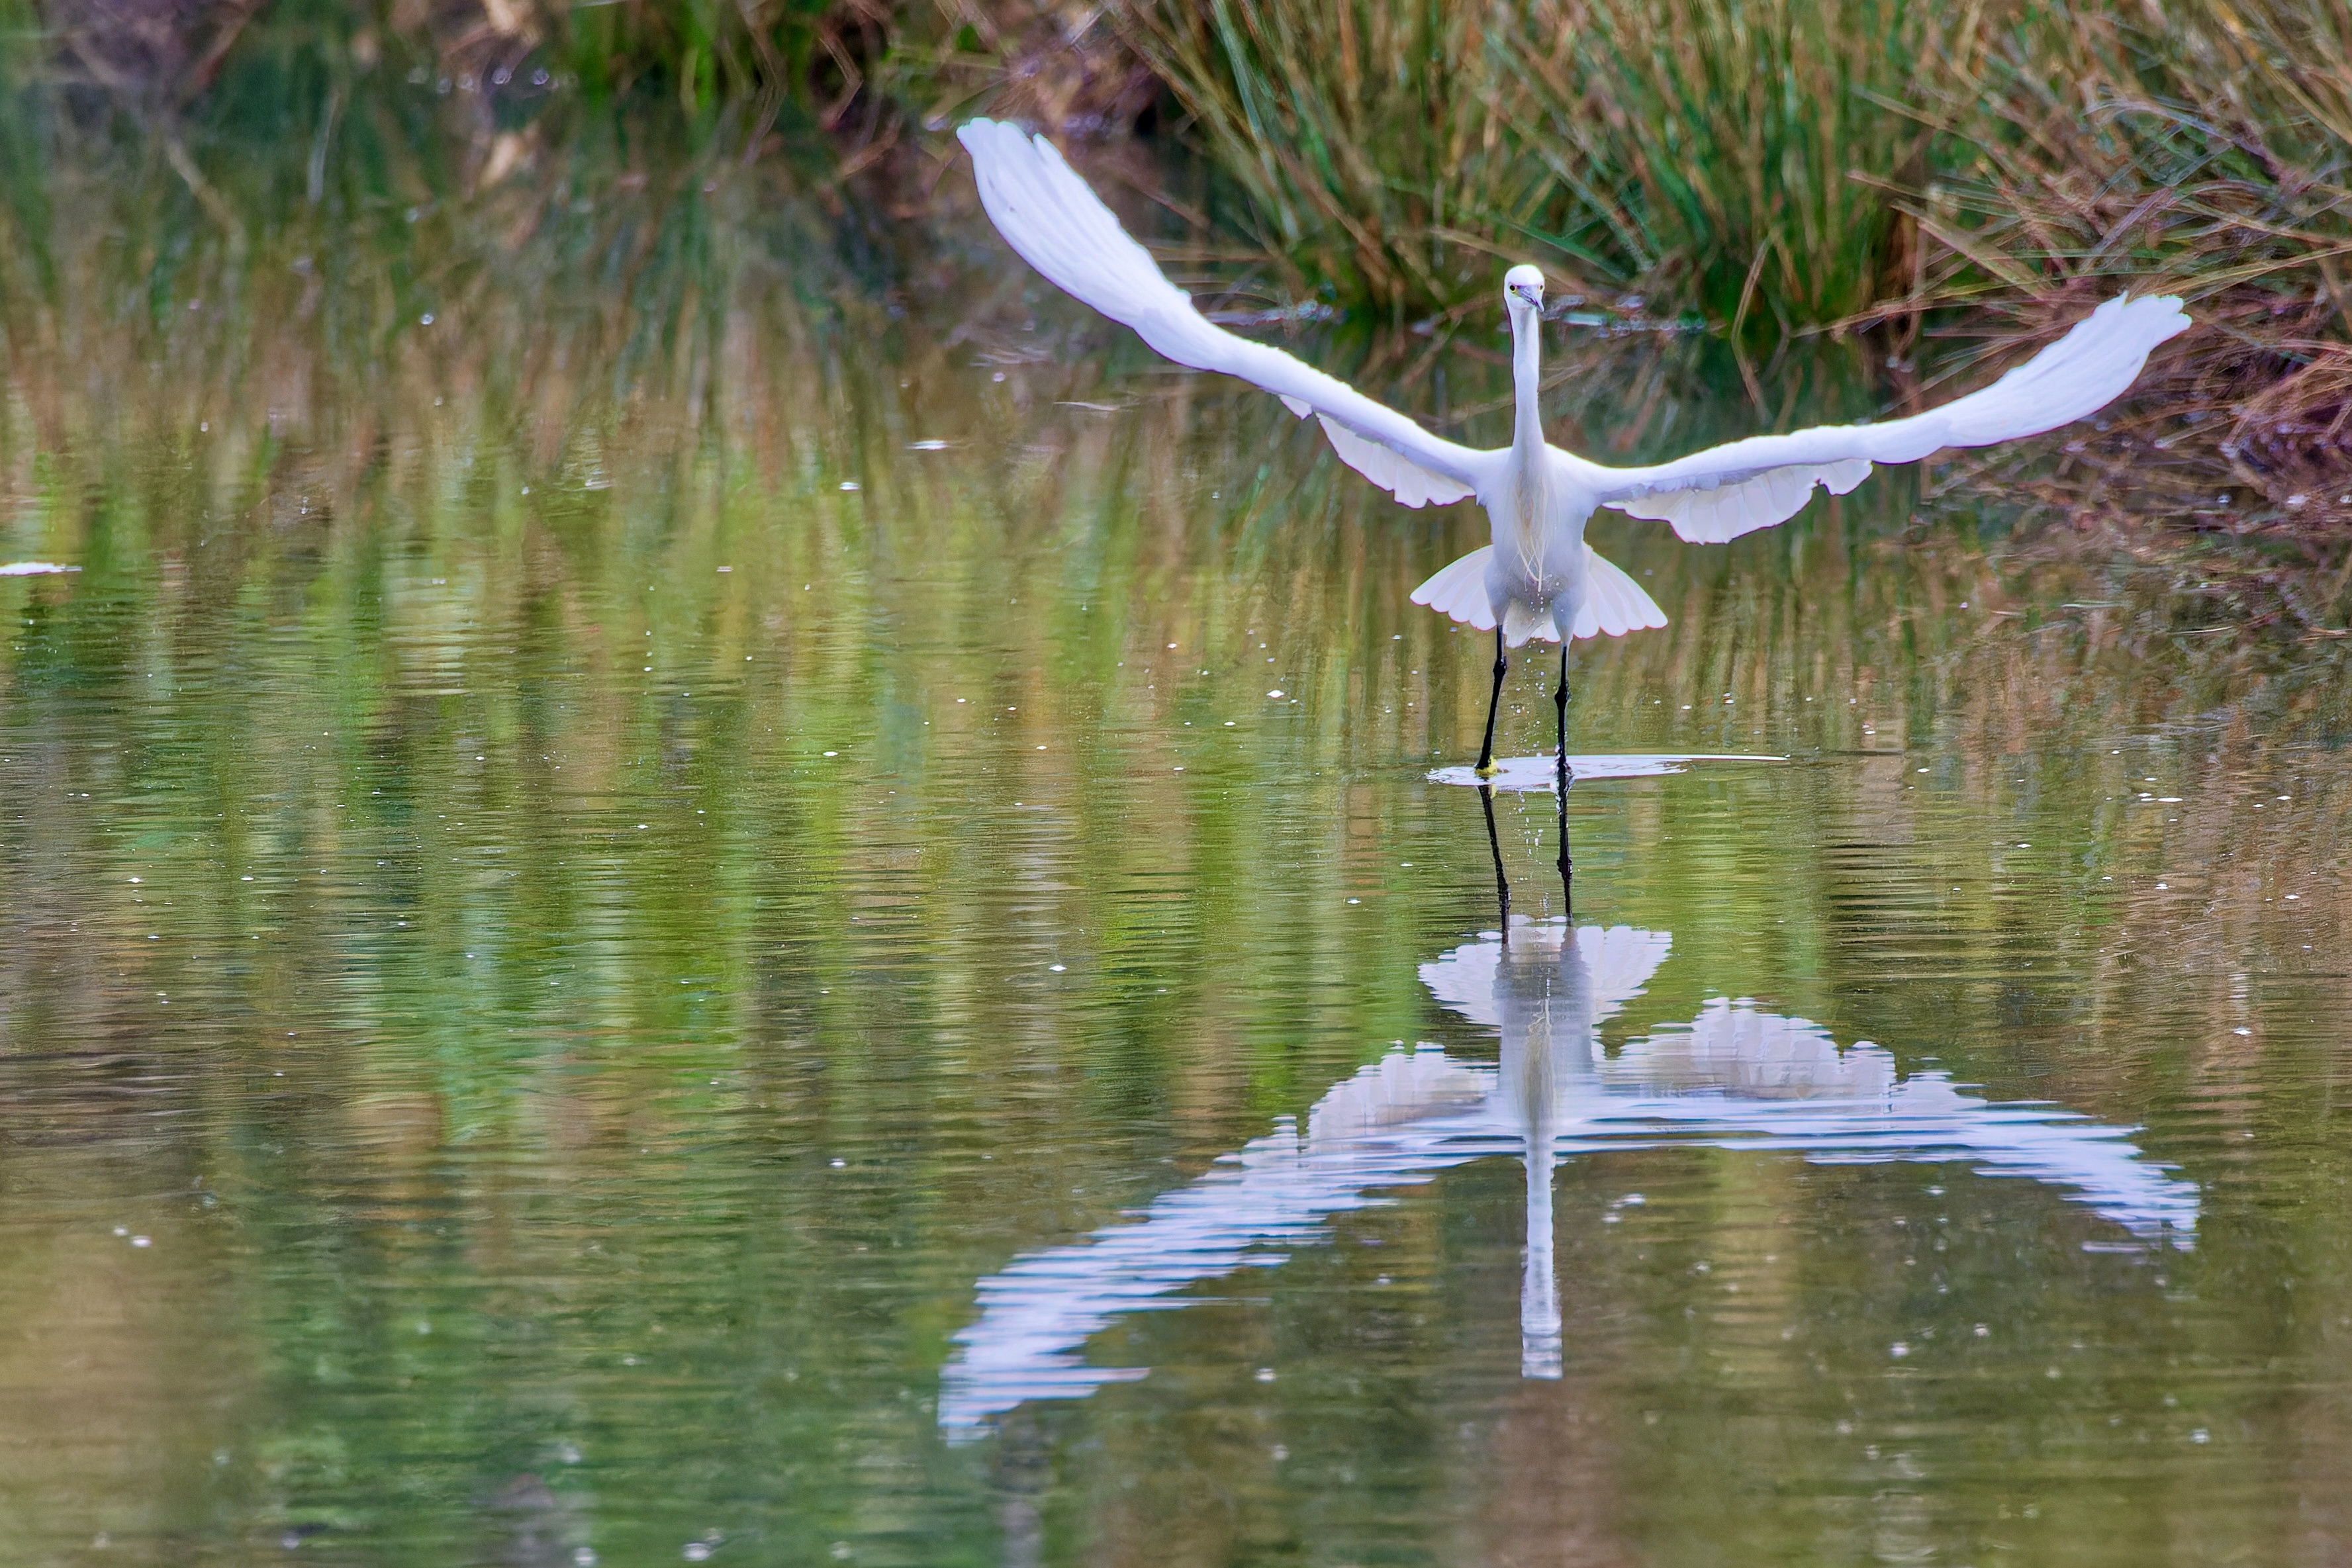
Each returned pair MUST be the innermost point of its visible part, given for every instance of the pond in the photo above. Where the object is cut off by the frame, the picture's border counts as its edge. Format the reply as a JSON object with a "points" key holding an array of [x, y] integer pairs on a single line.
{"points": [[832, 940]]}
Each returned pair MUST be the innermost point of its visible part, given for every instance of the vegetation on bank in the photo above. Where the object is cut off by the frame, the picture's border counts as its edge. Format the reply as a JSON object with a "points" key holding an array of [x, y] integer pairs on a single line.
{"points": [[1780, 168], [1773, 169]]}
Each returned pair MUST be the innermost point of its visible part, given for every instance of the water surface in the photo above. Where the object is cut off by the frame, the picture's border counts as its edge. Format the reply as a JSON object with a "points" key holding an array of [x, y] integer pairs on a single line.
{"points": [[831, 941]]}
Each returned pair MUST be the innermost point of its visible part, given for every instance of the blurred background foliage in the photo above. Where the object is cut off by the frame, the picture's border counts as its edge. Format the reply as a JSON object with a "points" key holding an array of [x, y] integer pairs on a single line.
{"points": [[1765, 170]]}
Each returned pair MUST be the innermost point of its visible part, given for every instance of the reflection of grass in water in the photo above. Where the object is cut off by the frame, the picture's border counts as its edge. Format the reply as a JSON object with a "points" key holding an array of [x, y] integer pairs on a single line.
{"points": [[329, 215], [356, 648], [608, 277]]}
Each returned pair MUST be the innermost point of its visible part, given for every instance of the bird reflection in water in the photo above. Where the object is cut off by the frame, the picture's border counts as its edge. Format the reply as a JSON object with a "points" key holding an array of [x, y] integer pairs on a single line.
{"points": [[1503, 878], [1733, 1077]]}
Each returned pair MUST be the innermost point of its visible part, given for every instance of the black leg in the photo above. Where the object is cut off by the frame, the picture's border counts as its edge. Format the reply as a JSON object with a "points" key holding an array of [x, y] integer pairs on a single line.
{"points": [[1559, 701], [1486, 769], [1494, 848]]}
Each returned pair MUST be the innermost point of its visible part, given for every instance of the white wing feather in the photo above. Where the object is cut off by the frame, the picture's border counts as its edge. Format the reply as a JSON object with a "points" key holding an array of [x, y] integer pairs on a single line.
{"points": [[1061, 227], [1730, 490], [1614, 603], [1408, 481]]}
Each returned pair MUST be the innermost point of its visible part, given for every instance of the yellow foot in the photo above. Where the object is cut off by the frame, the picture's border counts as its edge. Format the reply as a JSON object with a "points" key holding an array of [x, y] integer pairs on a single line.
{"points": [[1488, 771]]}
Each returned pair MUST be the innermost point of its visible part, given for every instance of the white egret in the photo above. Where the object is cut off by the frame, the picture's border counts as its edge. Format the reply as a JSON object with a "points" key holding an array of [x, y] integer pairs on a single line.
{"points": [[1539, 578]]}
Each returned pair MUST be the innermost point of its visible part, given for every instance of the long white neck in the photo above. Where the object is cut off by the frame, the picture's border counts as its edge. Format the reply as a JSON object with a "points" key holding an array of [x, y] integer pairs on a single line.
{"points": [[1527, 376]]}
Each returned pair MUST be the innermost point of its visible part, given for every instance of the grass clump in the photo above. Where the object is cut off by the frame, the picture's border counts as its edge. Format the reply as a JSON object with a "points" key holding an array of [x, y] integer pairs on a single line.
{"points": [[1782, 168], [2203, 149], [1702, 152], [1797, 164]]}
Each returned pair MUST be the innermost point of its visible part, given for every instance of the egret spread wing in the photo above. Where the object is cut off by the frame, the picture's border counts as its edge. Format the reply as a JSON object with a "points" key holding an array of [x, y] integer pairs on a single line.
{"points": [[1730, 490], [1401, 477], [1051, 216]]}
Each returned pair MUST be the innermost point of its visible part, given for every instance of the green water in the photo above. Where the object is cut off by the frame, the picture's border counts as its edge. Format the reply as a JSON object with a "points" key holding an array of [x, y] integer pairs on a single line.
{"points": [[609, 951]]}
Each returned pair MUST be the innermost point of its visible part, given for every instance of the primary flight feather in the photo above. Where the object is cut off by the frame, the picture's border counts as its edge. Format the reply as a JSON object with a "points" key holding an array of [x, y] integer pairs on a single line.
{"points": [[1539, 578]]}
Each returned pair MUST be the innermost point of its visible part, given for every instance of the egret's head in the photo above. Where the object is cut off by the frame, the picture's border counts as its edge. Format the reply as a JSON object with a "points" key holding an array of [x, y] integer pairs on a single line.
{"points": [[1523, 289]]}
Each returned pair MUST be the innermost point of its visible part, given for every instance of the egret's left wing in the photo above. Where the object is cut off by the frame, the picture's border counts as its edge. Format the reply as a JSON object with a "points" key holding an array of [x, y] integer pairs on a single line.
{"points": [[1051, 216], [1730, 490]]}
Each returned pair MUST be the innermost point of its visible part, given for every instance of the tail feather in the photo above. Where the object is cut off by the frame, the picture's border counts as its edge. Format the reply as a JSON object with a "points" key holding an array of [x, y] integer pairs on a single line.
{"points": [[1521, 622], [1614, 603], [1459, 590]]}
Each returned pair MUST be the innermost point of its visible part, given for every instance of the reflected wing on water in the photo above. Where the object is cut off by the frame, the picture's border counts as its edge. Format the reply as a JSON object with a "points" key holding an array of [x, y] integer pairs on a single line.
{"points": [[1733, 1077], [1368, 1132], [1741, 1078]]}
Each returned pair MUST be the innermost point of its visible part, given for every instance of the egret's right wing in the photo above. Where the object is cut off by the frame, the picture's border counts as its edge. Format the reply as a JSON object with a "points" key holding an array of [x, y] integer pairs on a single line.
{"points": [[1049, 214]]}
